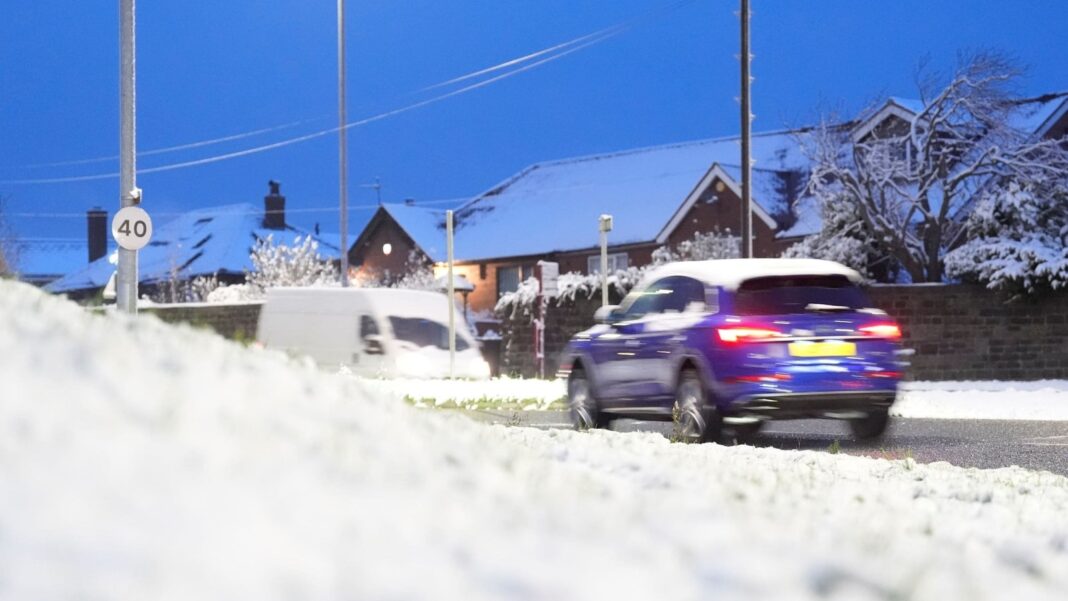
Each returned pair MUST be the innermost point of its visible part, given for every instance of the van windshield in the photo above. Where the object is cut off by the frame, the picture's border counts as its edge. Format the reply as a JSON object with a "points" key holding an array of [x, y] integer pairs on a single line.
{"points": [[798, 294], [424, 332]]}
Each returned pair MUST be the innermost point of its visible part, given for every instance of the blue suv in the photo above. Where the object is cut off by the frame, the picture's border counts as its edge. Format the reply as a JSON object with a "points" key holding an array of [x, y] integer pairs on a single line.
{"points": [[738, 342]]}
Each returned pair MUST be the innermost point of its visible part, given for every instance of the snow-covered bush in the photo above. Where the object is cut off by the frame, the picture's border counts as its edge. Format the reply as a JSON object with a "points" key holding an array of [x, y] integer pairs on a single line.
{"points": [[276, 265], [1018, 240], [703, 246], [418, 275], [844, 237], [573, 286]]}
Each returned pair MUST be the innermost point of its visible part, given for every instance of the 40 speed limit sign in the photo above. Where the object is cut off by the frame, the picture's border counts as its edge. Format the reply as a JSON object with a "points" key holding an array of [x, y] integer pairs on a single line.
{"points": [[131, 228]]}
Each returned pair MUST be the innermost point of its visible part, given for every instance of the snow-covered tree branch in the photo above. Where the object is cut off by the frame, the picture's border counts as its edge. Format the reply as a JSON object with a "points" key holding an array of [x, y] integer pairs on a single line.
{"points": [[913, 178]]}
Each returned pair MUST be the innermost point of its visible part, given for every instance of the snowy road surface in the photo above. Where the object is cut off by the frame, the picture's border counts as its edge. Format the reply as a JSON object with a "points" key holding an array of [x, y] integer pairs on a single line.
{"points": [[142, 461]]}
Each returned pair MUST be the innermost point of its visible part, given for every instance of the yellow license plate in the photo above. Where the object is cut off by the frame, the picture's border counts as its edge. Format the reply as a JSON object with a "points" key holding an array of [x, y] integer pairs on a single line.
{"points": [[827, 348]]}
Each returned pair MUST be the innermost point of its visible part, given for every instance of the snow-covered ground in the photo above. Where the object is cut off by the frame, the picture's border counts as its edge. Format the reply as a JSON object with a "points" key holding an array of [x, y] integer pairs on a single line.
{"points": [[143, 461], [1043, 400]]}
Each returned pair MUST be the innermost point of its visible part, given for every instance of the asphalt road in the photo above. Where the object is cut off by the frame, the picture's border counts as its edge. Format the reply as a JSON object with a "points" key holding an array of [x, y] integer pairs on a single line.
{"points": [[1038, 445]]}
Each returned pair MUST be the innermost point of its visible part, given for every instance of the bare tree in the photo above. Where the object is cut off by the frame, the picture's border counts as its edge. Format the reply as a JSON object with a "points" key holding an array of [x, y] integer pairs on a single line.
{"points": [[912, 179]]}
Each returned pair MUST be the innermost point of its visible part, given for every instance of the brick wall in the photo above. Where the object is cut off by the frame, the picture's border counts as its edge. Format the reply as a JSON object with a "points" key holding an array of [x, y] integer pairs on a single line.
{"points": [[236, 321], [969, 333], [959, 332]]}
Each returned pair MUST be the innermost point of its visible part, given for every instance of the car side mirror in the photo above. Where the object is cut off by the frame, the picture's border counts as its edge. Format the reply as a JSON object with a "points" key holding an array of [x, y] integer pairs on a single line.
{"points": [[372, 345], [608, 314]]}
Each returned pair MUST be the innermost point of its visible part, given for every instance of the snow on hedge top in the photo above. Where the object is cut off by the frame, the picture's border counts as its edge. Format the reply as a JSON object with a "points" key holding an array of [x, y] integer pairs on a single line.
{"points": [[641, 189], [146, 461], [211, 241], [730, 273]]}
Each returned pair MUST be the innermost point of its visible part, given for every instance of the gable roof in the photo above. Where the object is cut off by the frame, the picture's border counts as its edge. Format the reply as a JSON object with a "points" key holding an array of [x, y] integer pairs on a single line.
{"points": [[426, 227], [204, 242], [642, 189], [1032, 116]]}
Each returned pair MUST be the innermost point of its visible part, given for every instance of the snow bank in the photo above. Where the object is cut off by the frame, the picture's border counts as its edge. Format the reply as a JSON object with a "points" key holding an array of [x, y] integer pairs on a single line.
{"points": [[142, 461], [1041, 400], [516, 393]]}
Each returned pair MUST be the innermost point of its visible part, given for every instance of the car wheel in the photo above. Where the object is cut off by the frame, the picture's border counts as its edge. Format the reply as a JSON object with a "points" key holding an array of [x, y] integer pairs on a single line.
{"points": [[871, 426], [582, 405], [696, 420]]}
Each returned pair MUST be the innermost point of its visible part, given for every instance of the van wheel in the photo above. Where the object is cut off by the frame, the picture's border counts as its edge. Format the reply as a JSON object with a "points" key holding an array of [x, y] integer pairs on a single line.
{"points": [[582, 405], [696, 420], [871, 426]]}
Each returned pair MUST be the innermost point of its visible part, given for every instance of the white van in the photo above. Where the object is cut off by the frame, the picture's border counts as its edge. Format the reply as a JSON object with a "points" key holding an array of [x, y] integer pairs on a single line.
{"points": [[373, 331]]}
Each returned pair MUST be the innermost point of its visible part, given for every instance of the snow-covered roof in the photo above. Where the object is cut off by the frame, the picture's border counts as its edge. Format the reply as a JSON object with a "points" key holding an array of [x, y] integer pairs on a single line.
{"points": [[730, 273], [425, 226], [43, 259], [1030, 115], [809, 221], [642, 189], [211, 241]]}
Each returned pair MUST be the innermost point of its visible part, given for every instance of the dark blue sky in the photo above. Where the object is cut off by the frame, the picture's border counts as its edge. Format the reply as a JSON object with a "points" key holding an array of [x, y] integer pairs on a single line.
{"points": [[210, 69]]}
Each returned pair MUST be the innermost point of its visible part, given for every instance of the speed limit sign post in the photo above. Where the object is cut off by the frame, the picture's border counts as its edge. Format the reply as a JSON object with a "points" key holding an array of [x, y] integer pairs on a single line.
{"points": [[131, 228]]}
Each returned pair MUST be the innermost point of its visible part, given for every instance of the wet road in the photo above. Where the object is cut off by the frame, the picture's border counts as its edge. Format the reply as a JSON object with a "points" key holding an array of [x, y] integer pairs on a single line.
{"points": [[1039, 445]]}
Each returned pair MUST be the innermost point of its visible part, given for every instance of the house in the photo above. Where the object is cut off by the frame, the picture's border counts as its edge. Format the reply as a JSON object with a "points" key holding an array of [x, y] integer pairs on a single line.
{"points": [[213, 242], [41, 261], [657, 196]]}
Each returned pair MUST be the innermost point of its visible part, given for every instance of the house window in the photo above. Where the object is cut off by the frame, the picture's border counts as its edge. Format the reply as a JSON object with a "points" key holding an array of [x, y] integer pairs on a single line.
{"points": [[509, 278], [616, 262]]}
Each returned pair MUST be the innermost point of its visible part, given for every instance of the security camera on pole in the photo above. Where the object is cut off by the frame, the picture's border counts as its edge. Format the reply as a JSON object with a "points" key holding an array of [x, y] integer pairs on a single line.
{"points": [[605, 226]]}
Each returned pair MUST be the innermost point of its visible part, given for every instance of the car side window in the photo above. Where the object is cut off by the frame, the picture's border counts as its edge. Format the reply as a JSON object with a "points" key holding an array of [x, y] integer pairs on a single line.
{"points": [[682, 293], [647, 301], [368, 327]]}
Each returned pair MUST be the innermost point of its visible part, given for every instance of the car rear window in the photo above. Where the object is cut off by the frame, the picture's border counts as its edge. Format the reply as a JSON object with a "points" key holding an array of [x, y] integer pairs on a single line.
{"points": [[792, 294], [424, 332]]}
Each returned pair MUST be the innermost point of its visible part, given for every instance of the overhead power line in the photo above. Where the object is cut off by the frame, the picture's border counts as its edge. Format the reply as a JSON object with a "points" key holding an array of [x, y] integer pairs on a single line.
{"points": [[550, 54]]}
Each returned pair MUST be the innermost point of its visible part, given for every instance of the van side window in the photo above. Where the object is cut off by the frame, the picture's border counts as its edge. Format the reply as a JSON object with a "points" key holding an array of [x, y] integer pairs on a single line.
{"points": [[368, 327]]}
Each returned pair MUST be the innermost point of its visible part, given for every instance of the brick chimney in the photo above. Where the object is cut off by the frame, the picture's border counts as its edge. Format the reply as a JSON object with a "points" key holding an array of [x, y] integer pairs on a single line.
{"points": [[97, 219], [274, 205]]}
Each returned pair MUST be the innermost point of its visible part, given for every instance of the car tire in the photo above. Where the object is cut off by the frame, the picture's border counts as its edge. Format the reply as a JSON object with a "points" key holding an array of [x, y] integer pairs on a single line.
{"points": [[582, 405], [696, 419], [870, 427]]}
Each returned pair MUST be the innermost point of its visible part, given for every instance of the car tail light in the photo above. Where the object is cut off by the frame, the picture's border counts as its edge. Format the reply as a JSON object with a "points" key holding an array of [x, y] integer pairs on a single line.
{"points": [[884, 374], [746, 333], [882, 330], [756, 379]]}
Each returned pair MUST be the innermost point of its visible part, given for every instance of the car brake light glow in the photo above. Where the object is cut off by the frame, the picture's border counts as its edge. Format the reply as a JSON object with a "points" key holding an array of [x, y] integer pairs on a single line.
{"points": [[760, 378], [882, 330], [746, 333]]}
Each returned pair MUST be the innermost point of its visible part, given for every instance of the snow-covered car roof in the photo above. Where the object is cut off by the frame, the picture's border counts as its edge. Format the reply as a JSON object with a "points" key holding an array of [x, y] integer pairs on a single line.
{"points": [[730, 273]]}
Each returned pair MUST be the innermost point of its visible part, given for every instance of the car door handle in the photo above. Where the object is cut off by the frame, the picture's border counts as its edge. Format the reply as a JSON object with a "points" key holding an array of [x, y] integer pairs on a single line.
{"points": [[632, 342]]}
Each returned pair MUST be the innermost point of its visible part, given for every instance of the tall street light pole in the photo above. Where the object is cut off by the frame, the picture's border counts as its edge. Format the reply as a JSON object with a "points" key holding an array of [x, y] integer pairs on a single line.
{"points": [[747, 121], [126, 277], [342, 148]]}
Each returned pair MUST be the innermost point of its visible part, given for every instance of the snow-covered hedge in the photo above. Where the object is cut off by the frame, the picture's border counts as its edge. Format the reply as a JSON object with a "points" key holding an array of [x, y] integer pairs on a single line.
{"points": [[574, 286], [1018, 240]]}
